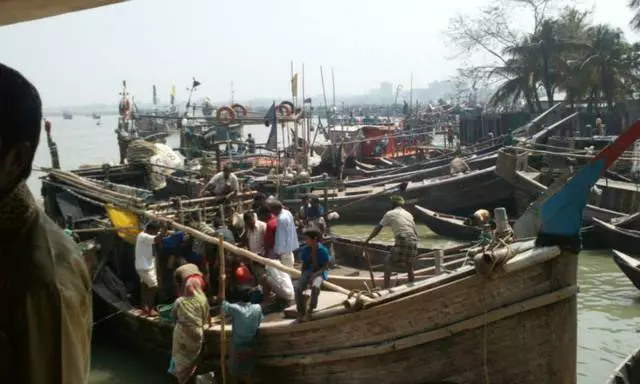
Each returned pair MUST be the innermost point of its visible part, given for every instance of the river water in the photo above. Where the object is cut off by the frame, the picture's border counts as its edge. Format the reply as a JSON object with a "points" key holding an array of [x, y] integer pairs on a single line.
{"points": [[608, 304]]}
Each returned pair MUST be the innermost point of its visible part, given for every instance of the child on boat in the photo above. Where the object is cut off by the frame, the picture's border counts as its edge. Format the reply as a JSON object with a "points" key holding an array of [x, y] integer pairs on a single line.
{"points": [[315, 265]]}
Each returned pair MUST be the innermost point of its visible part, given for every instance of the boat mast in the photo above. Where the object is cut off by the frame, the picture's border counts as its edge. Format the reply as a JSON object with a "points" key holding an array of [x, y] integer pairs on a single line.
{"points": [[333, 84], [155, 98], [232, 92], [411, 94], [294, 100], [326, 114], [305, 127]]}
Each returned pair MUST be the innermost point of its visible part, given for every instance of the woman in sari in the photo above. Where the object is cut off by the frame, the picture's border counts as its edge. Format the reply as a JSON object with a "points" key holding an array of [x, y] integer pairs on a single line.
{"points": [[191, 311]]}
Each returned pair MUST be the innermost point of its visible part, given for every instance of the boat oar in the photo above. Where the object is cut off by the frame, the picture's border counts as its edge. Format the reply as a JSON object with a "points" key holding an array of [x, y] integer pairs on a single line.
{"points": [[396, 188], [365, 254]]}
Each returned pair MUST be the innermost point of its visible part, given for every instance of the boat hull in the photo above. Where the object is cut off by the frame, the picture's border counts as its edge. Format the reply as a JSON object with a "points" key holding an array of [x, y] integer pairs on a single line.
{"points": [[628, 372], [447, 225], [619, 238], [460, 194], [468, 330], [629, 266]]}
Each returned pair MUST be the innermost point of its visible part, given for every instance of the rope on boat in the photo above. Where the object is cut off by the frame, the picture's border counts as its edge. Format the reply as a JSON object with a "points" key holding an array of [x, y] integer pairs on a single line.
{"points": [[484, 337], [579, 156]]}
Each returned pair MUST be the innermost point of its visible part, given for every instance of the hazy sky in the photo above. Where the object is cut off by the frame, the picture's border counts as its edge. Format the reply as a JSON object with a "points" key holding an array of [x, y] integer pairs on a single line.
{"points": [[82, 58]]}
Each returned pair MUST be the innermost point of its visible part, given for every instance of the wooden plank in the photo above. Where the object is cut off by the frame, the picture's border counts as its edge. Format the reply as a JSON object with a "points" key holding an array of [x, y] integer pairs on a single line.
{"points": [[326, 300], [12, 11]]}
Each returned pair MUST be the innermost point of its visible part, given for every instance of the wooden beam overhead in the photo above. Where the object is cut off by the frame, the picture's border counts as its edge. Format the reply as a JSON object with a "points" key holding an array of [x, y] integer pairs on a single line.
{"points": [[16, 11]]}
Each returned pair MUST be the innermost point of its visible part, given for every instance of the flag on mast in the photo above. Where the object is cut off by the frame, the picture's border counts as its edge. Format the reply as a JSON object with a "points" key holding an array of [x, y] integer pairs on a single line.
{"points": [[173, 94], [294, 85], [271, 119]]}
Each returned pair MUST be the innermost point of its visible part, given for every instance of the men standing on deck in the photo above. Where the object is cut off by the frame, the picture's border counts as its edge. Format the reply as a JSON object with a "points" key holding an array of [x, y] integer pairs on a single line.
{"points": [[45, 289], [251, 143], [599, 125], [145, 264], [286, 234], [270, 219], [314, 215], [405, 249], [223, 182], [450, 135], [275, 280]]}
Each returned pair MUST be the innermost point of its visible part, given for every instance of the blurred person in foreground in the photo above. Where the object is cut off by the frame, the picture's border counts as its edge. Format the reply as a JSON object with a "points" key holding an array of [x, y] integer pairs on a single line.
{"points": [[46, 319]]}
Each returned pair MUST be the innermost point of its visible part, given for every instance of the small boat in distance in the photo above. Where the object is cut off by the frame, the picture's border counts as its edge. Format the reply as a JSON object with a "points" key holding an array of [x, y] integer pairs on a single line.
{"points": [[67, 115], [96, 115], [442, 224]]}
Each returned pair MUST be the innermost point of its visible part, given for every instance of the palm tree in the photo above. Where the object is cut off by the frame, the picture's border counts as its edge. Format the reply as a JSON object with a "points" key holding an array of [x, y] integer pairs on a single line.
{"points": [[608, 64], [520, 83], [635, 22]]}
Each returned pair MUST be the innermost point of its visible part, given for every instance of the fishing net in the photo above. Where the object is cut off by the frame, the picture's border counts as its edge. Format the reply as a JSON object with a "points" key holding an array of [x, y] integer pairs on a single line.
{"points": [[140, 151]]}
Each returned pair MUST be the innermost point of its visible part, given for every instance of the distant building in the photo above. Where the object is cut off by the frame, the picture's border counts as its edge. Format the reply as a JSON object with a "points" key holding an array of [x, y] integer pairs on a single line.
{"points": [[386, 91]]}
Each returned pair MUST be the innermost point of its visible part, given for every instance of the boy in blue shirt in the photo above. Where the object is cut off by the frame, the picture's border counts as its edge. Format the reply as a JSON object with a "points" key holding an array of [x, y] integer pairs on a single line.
{"points": [[315, 265]]}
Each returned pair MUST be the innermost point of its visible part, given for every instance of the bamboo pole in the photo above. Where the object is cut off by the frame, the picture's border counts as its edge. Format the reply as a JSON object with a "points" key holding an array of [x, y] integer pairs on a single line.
{"points": [[223, 285], [202, 200], [103, 229], [80, 181]]}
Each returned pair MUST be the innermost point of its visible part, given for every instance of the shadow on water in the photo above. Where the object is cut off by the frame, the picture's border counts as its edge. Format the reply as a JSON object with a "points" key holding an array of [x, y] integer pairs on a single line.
{"points": [[113, 364]]}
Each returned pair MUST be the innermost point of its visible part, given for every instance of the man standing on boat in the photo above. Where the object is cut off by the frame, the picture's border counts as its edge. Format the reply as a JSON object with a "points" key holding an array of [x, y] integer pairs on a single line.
{"points": [[223, 183], [145, 264], [251, 144], [405, 249], [450, 135], [45, 289], [286, 240]]}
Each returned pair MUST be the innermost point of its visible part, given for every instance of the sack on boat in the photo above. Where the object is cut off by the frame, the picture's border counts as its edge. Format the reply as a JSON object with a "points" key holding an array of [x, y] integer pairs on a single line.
{"points": [[280, 282]]}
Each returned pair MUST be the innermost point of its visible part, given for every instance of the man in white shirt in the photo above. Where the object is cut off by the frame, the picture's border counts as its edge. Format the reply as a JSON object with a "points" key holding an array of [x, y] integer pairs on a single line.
{"points": [[223, 182], [145, 264], [405, 248], [286, 234], [255, 233]]}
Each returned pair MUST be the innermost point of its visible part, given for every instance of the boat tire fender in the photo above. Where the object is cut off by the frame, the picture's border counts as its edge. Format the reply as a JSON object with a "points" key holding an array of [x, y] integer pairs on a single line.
{"points": [[225, 119], [285, 108], [239, 109]]}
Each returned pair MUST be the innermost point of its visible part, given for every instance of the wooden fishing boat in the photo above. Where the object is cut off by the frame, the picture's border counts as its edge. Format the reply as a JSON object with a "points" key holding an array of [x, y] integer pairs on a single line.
{"points": [[454, 227], [460, 193], [623, 239], [447, 225], [475, 163], [469, 153], [628, 372], [630, 266], [341, 343]]}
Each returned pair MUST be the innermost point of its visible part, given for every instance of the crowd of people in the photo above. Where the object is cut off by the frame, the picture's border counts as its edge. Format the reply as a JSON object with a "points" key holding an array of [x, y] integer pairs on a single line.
{"points": [[176, 267]]}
